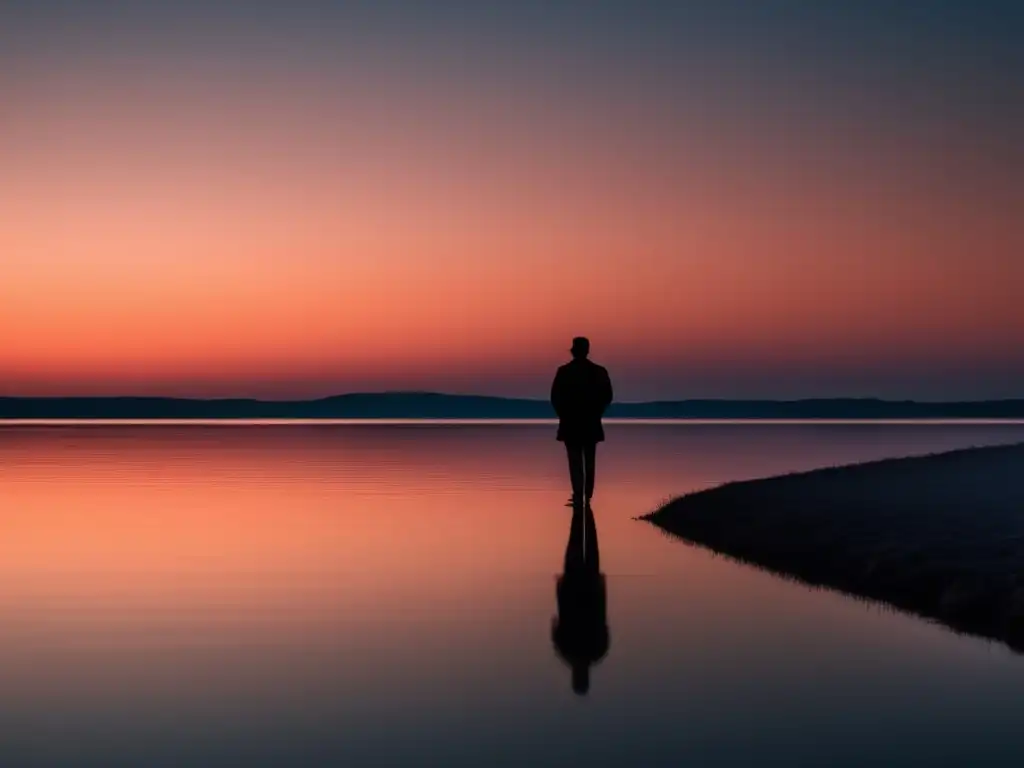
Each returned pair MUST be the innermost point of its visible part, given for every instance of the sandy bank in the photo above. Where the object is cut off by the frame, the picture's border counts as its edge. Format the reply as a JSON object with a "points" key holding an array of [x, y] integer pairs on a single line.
{"points": [[941, 536]]}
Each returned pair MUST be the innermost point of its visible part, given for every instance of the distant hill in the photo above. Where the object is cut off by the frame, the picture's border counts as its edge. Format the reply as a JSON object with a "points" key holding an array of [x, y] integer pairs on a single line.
{"points": [[430, 405]]}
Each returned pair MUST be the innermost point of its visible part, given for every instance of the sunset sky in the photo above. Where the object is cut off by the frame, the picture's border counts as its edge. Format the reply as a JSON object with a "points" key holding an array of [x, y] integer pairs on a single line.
{"points": [[770, 198]]}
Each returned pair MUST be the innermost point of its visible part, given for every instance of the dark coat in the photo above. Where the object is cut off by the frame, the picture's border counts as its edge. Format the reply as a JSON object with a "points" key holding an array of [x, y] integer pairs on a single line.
{"points": [[580, 394]]}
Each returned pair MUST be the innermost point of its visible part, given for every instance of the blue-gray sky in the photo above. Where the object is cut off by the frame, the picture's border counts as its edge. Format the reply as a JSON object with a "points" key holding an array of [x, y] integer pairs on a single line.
{"points": [[740, 199]]}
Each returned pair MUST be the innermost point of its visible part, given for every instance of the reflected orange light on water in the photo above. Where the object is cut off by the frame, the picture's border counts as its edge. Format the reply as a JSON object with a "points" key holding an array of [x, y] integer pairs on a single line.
{"points": [[208, 576]]}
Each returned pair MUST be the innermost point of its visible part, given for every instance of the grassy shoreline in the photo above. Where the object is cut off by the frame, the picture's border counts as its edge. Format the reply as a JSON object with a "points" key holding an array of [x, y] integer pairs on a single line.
{"points": [[939, 536]]}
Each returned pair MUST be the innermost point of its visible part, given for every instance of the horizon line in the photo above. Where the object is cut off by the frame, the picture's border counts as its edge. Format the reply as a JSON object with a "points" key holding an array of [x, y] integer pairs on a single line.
{"points": [[524, 422], [533, 399]]}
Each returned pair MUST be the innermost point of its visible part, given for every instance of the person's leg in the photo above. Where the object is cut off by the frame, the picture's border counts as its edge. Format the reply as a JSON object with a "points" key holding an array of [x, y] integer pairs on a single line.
{"points": [[590, 466], [576, 464]]}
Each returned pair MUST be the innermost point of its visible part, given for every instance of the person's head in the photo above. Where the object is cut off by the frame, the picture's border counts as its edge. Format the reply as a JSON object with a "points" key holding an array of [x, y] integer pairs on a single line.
{"points": [[581, 679], [580, 347]]}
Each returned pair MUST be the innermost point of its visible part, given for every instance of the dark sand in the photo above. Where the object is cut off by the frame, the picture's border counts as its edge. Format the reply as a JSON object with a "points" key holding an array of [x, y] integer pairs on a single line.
{"points": [[940, 536]]}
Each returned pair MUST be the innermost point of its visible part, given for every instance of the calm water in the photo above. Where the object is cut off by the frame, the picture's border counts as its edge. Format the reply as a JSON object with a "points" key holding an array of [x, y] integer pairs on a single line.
{"points": [[384, 595]]}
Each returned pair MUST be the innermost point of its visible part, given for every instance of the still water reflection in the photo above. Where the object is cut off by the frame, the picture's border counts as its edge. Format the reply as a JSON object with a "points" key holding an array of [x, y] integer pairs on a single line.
{"points": [[580, 633], [411, 595]]}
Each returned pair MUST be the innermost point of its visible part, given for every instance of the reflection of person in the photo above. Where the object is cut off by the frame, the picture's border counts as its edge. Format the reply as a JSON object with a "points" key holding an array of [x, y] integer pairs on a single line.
{"points": [[580, 394], [580, 631]]}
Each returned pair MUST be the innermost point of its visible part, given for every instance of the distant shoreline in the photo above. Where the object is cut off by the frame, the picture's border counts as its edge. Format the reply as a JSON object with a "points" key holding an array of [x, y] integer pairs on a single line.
{"points": [[430, 405], [939, 536]]}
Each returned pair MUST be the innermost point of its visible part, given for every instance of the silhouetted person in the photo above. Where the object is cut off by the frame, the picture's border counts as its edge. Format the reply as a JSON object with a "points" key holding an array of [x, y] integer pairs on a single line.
{"points": [[580, 394], [580, 631]]}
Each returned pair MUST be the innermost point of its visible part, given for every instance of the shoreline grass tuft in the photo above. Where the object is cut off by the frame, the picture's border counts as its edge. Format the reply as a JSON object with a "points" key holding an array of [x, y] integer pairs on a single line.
{"points": [[940, 536]]}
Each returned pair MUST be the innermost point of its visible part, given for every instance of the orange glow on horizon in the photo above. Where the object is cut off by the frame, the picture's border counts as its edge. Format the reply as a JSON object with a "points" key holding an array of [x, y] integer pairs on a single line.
{"points": [[233, 239]]}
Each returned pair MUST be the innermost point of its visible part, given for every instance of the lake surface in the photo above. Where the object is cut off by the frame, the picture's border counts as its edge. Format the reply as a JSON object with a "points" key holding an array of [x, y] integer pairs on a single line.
{"points": [[384, 595]]}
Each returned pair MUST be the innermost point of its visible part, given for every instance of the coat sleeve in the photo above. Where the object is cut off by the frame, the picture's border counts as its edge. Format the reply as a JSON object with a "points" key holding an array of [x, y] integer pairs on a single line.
{"points": [[558, 394]]}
